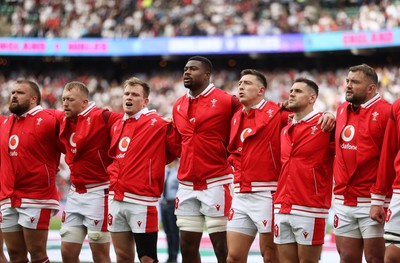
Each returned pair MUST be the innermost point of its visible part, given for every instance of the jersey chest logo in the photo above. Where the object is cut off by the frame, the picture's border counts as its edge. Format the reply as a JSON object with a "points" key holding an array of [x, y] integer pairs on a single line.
{"points": [[348, 133], [245, 133], [13, 142], [124, 143], [71, 140]]}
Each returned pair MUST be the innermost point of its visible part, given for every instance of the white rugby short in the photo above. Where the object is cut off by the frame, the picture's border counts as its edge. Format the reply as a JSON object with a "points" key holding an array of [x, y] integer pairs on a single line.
{"points": [[354, 221], [212, 202], [88, 209], [136, 218], [299, 229], [28, 217], [251, 213]]}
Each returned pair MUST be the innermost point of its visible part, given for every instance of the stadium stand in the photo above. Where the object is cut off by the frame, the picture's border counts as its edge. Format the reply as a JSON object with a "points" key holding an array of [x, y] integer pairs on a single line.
{"points": [[152, 18]]}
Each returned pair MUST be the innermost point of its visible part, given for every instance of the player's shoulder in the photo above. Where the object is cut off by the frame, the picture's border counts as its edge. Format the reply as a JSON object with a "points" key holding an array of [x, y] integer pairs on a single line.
{"points": [[180, 100], [396, 105], [222, 93], [383, 105], [272, 105], [154, 118], [50, 113]]}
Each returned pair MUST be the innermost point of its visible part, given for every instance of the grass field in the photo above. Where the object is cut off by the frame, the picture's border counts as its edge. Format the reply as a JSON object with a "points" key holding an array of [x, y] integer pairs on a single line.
{"points": [[55, 223]]}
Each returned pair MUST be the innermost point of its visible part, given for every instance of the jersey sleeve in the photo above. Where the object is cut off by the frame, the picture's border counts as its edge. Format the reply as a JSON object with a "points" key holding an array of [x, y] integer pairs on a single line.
{"points": [[235, 104], [386, 169], [59, 117], [286, 115], [110, 118], [173, 143]]}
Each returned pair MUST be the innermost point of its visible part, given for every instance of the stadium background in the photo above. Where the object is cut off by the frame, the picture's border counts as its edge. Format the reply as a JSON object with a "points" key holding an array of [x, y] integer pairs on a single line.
{"points": [[145, 19]]}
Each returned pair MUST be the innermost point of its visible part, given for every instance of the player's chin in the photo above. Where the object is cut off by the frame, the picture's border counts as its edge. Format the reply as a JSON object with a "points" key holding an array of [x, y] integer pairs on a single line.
{"points": [[349, 97], [187, 85], [242, 99]]}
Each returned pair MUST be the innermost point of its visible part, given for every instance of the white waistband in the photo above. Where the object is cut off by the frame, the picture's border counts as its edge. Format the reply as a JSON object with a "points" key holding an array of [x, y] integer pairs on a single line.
{"points": [[258, 186], [137, 199], [35, 203], [93, 187], [361, 201], [305, 211], [212, 182]]}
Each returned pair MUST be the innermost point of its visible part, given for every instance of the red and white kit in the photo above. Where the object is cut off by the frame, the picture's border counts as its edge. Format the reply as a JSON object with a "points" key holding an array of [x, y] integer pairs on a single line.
{"points": [[141, 146], [304, 192], [204, 124], [389, 174], [255, 147], [359, 138], [87, 141], [204, 172], [30, 155], [305, 181]]}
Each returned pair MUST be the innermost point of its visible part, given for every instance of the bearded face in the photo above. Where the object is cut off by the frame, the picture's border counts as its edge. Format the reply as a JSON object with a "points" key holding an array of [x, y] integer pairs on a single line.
{"points": [[20, 99]]}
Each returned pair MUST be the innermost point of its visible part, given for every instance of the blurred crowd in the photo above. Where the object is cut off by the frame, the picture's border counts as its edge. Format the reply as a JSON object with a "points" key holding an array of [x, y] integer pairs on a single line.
{"points": [[159, 18]]}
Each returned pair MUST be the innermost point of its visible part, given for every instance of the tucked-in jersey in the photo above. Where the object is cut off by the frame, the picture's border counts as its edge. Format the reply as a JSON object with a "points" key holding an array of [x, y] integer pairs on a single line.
{"points": [[141, 146], [368, 123], [87, 140], [389, 164], [30, 155], [204, 125], [305, 181], [255, 147]]}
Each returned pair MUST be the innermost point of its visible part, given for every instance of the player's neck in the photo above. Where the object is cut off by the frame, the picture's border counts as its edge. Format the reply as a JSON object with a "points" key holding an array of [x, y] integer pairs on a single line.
{"points": [[299, 115], [197, 91]]}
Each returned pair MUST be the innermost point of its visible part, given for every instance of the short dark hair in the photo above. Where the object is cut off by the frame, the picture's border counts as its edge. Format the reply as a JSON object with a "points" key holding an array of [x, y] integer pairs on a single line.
{"points": [[205, 61], [136, 81], [79, 85], [311, 84], [34, 87], [367, 70], [256, 73]]}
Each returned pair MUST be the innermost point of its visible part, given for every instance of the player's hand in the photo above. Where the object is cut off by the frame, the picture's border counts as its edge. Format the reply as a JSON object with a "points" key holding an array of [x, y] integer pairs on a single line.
{"points": [[168, 119], [327, 122], [284, 104], [377, 213]]}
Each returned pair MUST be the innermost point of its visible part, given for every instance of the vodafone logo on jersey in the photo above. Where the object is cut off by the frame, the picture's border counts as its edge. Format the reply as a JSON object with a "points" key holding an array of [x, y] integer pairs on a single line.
{"points": [[13, 142], [72, 143], [348, 133], [245, 133], [124, 143], [71, 140]]}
